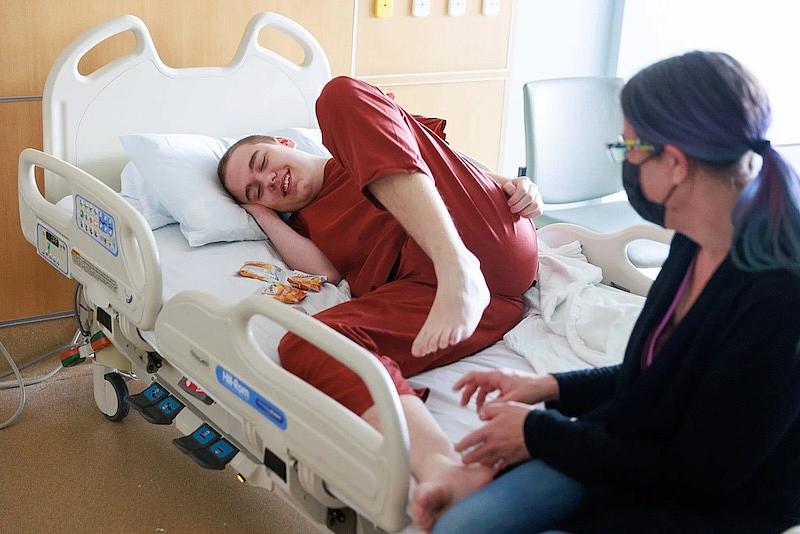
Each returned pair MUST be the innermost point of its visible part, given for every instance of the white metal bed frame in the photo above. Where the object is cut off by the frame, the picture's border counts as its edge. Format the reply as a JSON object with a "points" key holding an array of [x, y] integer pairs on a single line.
{"points": [[338, 470]]}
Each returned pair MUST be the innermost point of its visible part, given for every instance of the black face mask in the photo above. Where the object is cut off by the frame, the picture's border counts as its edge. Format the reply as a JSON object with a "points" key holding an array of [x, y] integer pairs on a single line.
{"points": [[648, 210]]}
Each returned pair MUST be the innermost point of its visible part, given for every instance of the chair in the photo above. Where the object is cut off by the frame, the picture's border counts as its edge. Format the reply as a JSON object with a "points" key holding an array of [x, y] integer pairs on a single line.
{"points": [[568, 121]]}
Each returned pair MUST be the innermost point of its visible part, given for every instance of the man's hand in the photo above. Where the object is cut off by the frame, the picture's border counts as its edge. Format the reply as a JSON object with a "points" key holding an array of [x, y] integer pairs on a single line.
{"points": [[501, 442], [529, 388], [524, 197]]}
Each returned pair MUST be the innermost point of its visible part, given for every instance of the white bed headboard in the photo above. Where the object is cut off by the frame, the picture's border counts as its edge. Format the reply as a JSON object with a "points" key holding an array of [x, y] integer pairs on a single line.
{"points": [[257, 91]]}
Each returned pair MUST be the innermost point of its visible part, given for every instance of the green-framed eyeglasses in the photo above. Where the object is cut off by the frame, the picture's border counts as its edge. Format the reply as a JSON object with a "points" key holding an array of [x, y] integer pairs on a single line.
{"points": [[618, 150]]}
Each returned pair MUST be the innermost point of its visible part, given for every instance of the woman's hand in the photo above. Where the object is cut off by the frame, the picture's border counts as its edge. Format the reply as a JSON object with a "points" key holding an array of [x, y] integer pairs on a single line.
{"points": [[500, 442], [529, 388], [524, 197]]}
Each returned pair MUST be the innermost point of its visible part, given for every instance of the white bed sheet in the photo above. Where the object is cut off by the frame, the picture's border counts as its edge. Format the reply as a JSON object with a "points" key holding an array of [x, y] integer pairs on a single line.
{"points": [[214, 269]]}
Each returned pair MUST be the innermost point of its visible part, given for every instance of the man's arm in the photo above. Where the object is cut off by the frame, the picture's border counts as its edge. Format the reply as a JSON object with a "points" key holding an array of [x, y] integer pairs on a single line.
{"points": [[297, 251]]}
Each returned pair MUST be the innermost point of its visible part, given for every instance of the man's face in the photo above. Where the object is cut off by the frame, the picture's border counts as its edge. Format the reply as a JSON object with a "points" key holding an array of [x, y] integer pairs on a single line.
{"points": [[273, 175]]}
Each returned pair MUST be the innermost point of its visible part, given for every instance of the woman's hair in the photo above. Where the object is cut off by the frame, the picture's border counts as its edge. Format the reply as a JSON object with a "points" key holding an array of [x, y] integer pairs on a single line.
{"points": [[222, 166], [713, 109]]}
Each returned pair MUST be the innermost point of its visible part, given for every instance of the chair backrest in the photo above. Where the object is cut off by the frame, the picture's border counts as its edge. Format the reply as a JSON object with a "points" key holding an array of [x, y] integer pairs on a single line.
{"points": [[567, 123]]}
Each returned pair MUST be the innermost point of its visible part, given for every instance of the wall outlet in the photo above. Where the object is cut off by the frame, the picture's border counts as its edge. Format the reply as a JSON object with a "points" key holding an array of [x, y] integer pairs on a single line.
{"points": [[384, 8], [490, 8], [456, 8], [421, 8]]}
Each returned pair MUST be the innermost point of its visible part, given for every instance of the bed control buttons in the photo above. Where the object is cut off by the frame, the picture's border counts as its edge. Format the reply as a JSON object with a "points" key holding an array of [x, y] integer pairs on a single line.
{"points": [[207, 448], [97, 223], [155, 404]]}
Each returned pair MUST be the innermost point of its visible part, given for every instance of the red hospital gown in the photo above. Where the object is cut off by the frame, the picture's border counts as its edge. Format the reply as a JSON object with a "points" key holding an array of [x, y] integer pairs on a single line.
{"points": [[391, 278]]}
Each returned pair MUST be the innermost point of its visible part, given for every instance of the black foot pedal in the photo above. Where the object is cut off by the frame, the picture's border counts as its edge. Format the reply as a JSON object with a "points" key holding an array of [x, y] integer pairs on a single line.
{"points": [[155, 404], [207, 448]]}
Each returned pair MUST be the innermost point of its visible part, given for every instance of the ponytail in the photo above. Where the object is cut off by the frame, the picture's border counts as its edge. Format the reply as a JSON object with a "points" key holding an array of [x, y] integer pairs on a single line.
{"points": [[766, 218]]}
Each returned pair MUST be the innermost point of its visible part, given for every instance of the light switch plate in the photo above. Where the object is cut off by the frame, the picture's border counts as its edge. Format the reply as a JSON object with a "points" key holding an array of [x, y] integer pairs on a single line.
{"points": [[421, 8], [384, 8], [490, 8], [457, 8]]}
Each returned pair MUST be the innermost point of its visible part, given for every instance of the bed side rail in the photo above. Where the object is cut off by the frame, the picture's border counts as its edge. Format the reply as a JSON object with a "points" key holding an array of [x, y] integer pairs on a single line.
{"points": [[105, 244], [609, 251], [213, 343]]}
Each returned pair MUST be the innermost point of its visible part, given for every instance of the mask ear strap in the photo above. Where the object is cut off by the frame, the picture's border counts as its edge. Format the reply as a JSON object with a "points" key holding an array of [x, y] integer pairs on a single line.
{"points": [[664, 202]]}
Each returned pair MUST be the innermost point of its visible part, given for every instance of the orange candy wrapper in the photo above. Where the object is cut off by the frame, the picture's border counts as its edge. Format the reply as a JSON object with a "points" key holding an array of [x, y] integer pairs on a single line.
{"points": [[309, 282], [284, 293]]}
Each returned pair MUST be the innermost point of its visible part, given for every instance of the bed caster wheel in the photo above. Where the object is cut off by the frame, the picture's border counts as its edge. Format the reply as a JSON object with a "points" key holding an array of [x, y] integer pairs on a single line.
{"points": [[115, 409]]}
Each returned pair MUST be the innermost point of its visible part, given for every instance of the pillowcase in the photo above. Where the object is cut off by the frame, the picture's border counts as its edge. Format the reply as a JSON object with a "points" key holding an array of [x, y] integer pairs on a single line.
{"points": [[179, 173], [138, 195]]}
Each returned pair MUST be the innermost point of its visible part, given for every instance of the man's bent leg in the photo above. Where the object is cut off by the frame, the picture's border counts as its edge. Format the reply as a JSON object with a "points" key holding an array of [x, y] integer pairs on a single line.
{"points": [[461, 294]]}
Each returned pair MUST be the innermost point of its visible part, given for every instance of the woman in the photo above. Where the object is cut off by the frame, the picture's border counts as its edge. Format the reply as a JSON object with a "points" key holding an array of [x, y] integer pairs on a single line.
{"points": [[698, 430]]}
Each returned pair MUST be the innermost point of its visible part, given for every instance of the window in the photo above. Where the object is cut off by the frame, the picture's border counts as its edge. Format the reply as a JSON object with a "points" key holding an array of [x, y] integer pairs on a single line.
{"points": [[762, 35]]}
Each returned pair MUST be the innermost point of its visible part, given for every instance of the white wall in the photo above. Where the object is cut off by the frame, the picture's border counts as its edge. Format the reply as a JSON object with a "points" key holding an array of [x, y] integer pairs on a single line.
{"points": [[550, 39]]}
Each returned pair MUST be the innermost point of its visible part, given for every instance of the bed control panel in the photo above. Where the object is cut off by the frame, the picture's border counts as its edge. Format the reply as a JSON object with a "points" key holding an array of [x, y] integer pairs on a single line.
{"points": [[52, 247], [96, 223]]}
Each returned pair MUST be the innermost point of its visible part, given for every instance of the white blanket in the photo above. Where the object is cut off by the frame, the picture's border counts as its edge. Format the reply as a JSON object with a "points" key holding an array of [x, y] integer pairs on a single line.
{"points": [[572, 321]]}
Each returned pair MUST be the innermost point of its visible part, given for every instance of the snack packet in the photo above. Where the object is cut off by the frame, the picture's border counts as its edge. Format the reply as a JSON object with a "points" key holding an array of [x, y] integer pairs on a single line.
{"points": [[266, 272], [309, 282], [284, 293]]}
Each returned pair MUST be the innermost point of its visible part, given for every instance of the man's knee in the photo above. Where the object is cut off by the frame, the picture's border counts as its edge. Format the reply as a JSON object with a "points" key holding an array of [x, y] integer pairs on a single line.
{"points": [[339, 89]]}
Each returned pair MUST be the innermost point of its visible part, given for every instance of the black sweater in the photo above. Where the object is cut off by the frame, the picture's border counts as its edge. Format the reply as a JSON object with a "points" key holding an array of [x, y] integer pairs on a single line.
{"points": [[715, 419]]}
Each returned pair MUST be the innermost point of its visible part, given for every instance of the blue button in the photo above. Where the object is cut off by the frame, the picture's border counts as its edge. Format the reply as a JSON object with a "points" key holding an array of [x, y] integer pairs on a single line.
{"points": [[169, 405], [222, 449], [204, 434], [154, 392]]}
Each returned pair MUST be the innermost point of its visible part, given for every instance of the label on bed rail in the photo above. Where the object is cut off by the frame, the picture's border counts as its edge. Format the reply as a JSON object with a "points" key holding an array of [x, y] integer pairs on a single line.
{"points": [[93, 271], [247, 394]]}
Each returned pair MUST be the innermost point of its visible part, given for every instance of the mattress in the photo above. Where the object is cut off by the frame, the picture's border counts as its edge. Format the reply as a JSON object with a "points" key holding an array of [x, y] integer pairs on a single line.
{"points": [[214, 268]]}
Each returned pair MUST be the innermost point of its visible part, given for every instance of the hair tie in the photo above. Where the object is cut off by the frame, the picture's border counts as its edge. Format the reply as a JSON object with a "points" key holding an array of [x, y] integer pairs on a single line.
{"points": [[759, 146]]}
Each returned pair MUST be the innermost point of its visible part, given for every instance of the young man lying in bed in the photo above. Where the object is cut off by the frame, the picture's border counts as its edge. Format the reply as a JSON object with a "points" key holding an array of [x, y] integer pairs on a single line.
{"points": [[436, 252]]}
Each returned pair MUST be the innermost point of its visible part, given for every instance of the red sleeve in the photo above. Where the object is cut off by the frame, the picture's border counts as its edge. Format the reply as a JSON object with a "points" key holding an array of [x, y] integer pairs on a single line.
{"points": [[366, 132], [435, 125], [298, 223]]}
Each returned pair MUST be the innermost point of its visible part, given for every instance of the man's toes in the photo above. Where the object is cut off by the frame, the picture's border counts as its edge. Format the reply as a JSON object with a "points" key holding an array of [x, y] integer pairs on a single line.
{"points": [[444, 339]]}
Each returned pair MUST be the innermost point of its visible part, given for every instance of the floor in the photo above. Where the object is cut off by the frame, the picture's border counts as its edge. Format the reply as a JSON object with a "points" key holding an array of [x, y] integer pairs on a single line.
{"points": [[65, 468]]}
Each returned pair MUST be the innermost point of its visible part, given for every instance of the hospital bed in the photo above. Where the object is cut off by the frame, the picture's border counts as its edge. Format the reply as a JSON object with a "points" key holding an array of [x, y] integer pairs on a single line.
{"points": [[177, 316]]}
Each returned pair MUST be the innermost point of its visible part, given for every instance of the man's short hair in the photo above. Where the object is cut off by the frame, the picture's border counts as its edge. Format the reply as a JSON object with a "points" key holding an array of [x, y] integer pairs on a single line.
{"points": [[249, 140]]}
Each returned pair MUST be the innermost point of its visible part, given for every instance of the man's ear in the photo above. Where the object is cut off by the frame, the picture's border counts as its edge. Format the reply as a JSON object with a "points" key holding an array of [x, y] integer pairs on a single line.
{"points": [[678, 164], [285, 141]]}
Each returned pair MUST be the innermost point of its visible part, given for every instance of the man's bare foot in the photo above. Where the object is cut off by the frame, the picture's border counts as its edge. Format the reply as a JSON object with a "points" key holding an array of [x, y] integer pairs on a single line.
{"points": [[461, 297], [434, 496]]}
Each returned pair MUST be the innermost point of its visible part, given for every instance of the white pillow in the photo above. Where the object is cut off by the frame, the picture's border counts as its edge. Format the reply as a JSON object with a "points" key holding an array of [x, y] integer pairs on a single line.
{"points": [[138, 194], [180, 172]]}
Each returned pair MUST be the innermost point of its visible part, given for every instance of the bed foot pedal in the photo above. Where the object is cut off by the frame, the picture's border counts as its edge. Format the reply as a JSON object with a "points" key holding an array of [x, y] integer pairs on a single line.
{"points": [[155, 404], [207, 448]]}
